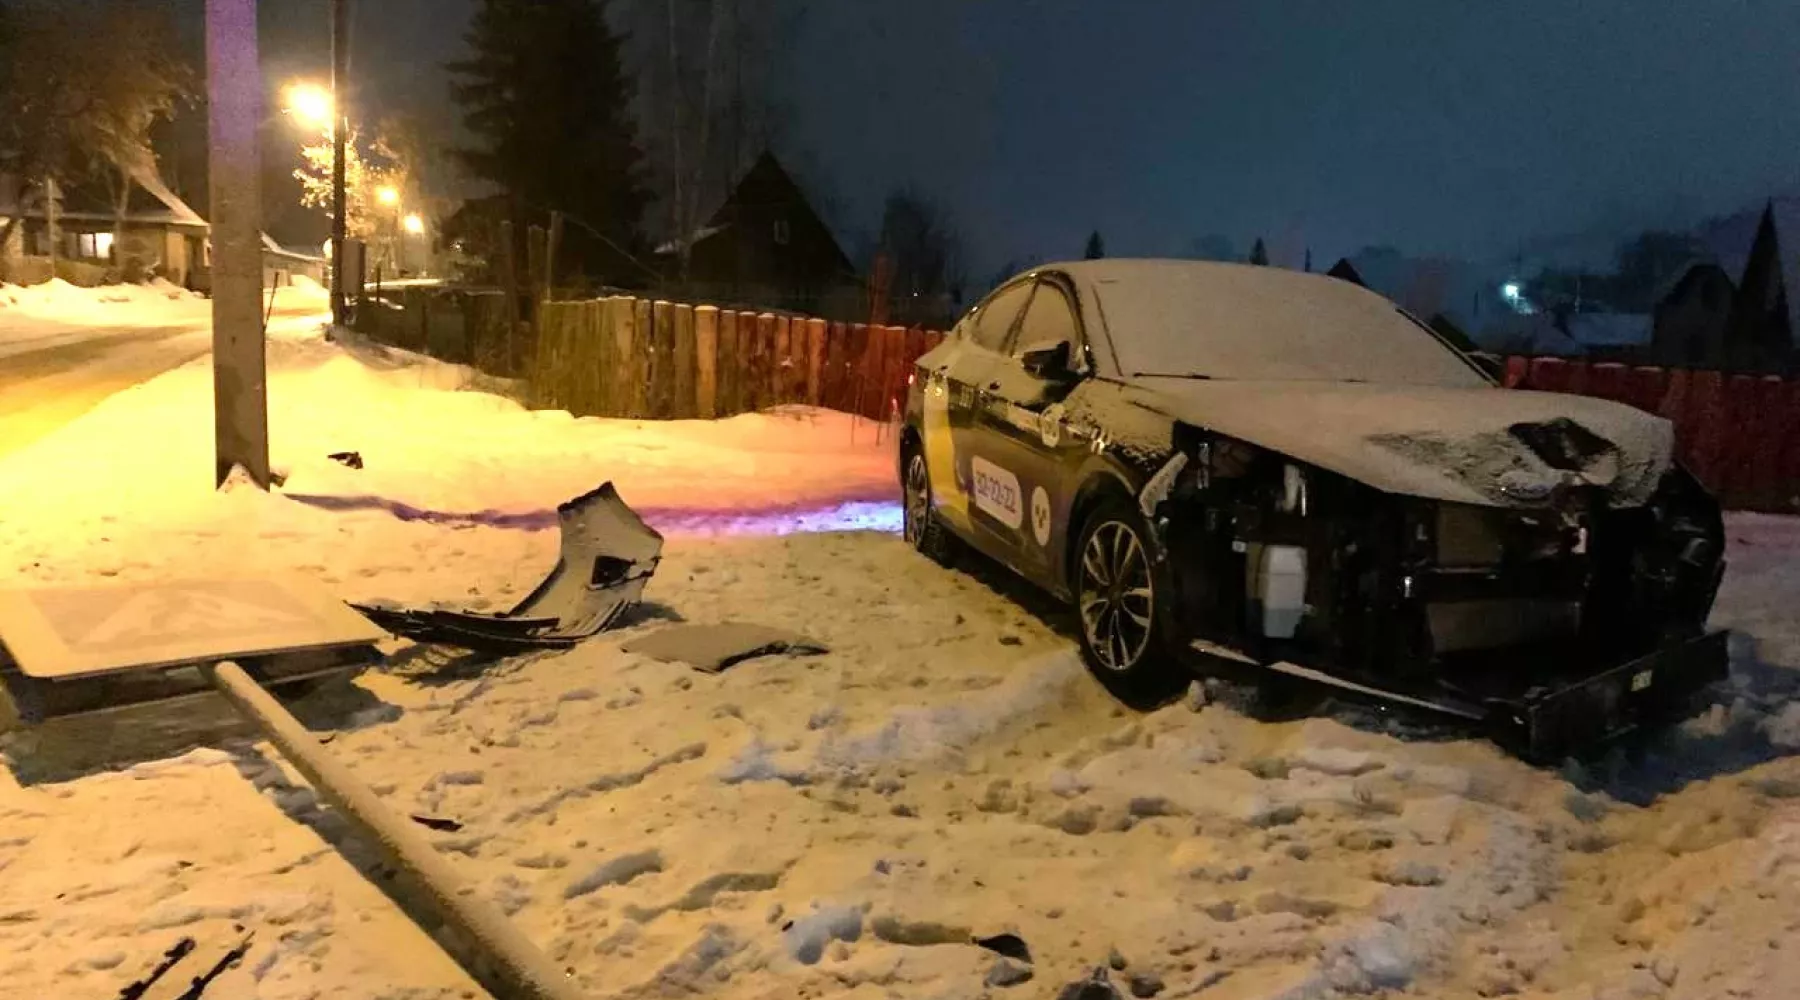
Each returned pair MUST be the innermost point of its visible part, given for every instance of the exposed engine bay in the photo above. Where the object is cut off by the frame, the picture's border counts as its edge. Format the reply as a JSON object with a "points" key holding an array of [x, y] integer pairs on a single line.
{"points": [[1286, 562]]}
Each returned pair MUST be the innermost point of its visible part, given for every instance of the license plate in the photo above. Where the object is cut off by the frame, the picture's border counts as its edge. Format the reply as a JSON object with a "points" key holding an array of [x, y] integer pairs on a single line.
{"points": [[1641, 680]]}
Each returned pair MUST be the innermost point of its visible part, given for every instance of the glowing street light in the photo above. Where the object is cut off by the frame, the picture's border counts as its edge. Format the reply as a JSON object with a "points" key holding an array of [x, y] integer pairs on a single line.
{"points": [[413, 224], [310, 105], [388, 195]]}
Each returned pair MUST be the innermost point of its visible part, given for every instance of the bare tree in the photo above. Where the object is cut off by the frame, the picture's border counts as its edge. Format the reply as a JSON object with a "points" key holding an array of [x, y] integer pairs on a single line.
{"points": [[137, 83], [83, 87], [706, 99], [44, 94], [370, 166], [925, 254]]}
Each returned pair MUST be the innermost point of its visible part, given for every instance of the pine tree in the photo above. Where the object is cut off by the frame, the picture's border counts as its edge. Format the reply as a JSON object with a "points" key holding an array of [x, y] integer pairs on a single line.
{"points": [[1096, 247], [544, 94], [1759, 331], [1259, 254]]}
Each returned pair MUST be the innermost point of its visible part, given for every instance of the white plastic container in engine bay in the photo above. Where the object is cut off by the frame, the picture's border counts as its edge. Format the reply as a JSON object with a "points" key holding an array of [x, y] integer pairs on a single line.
{"points": [[1278, 581]]}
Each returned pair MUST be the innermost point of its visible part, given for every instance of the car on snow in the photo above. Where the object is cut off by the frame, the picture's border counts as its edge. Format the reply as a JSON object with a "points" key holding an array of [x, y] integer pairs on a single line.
{"points": [[1219, 462]]}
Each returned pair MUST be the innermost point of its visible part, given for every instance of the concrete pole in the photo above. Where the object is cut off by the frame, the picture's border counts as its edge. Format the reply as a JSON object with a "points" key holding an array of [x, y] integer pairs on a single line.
{"points": [[490, 948], [240, 378], [340, 134]]}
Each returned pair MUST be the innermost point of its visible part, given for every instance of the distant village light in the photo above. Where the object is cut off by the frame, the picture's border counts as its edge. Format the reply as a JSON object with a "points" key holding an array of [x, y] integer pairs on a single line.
{"points": [[1511, 291]]}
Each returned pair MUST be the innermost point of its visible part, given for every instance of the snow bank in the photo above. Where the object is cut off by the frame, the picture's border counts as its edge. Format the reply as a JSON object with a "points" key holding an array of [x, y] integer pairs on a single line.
{"points": [[34, 317], [455, 491]]}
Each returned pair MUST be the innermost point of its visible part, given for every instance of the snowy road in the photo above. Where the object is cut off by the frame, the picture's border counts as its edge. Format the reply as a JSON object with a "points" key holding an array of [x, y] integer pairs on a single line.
{"points": [[55, 367]]}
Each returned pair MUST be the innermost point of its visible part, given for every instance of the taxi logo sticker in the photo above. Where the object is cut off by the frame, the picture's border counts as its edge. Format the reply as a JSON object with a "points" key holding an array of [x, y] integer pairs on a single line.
{"points": [[1040, 516]]}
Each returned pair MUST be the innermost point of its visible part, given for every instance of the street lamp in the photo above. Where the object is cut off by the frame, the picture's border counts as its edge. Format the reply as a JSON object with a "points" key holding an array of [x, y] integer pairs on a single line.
{"points": [[413, 224], [388, 195], [310, 105]]}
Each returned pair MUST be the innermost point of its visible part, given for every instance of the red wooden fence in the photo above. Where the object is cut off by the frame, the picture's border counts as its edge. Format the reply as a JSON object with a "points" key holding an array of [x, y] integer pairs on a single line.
{"points": [[1740, 434]]}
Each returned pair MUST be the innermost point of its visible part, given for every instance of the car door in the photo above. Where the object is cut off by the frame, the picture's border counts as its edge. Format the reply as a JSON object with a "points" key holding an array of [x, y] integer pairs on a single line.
{"points": [[1022, 443], [951, 401]]}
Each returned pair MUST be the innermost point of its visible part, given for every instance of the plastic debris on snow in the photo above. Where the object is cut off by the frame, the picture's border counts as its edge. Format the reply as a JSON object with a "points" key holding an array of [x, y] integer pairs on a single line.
{"points": [[712, 648]]}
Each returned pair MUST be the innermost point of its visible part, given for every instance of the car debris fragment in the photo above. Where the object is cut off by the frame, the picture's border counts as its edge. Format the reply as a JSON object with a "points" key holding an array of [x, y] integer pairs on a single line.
{"points": [[712, 648], [608, 555]]}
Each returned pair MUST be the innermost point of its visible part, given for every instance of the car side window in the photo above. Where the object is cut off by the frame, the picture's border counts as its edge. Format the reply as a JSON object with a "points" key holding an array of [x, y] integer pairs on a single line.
{"points": [[1049, 320], [994, 319]]}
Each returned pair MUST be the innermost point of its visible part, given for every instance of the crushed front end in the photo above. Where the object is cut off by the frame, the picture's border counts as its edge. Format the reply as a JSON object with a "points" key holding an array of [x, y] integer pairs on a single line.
{"points": [[1560, 617]]}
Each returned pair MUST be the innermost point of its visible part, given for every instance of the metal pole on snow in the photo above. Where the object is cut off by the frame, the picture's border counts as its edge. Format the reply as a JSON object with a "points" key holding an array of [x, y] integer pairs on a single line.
{"points": [[493, 951]]}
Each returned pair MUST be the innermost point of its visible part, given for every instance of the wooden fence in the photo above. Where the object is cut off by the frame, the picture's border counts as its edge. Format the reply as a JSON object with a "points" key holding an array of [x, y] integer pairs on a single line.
{"points": [[1740, 434], [631, 357]]}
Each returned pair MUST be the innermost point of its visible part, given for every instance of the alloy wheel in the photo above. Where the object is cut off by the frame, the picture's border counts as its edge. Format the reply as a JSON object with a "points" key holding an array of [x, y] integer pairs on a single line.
{"points": [[918, 500], [1116, 595]]}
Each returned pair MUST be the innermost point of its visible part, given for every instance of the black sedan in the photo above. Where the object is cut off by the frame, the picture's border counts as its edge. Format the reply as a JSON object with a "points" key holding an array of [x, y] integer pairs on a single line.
{"points": [[1286, 470]]}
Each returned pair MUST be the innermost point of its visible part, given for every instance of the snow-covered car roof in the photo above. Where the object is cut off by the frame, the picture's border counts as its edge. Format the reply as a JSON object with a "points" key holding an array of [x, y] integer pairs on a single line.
{"points": [[1236, 321]]}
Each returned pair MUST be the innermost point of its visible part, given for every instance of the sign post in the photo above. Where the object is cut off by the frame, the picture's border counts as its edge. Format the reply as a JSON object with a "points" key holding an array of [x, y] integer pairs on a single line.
{"points": [[240, 376]]}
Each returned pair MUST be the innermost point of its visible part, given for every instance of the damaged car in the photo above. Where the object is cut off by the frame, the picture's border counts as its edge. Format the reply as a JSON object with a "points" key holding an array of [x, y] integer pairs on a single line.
{"points": [[1220, 463]]}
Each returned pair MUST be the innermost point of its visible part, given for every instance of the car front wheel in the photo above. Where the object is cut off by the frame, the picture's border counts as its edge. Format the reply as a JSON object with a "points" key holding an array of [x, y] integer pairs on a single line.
{"points": [[920, 524], [1121, 600]]}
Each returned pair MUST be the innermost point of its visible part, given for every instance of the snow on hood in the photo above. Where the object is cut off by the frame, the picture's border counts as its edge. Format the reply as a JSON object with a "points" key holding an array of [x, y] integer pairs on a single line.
{"points": [[1182, 318], [1488, 446]]}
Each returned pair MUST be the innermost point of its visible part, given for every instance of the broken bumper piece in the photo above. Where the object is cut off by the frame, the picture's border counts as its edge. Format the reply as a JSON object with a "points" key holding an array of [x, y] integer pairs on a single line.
{"points": [[1637, 693], [608, 554]]}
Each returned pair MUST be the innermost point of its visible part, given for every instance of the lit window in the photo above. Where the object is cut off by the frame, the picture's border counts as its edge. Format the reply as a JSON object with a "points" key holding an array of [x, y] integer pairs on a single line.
{"points": [[781, 232], [103, 245]]}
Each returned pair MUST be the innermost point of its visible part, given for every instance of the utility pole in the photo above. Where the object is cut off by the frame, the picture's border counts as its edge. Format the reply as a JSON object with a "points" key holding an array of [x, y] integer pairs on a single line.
{"points": [[52, 206], [240, 376], [340, 129]]}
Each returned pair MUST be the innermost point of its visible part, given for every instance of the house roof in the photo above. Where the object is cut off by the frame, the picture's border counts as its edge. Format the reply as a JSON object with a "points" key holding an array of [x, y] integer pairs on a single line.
{"points": [[151, 202], [1731, 237], [772, 184]]}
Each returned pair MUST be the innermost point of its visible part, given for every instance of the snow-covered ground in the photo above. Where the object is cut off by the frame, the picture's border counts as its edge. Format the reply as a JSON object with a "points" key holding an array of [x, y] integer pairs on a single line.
{"points": [[830, 826], [64, 349]]}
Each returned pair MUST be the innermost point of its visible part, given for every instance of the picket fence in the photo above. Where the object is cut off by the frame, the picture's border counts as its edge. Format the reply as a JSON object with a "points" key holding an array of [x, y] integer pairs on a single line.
{"points": [[1740, 434], [632, 357]]}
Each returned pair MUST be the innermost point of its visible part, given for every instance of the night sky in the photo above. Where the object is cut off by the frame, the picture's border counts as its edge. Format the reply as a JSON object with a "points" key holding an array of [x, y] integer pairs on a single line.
{"points": [[1457, 128]]}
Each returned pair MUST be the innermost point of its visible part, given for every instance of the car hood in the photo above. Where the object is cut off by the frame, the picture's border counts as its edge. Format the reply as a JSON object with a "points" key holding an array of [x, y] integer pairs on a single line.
{"points": [[1488, 446]]}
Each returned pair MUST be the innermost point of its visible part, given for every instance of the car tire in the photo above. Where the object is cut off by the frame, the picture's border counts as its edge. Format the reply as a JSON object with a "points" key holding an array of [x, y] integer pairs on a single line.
{"points": [[921, 526], [1121, 591]]}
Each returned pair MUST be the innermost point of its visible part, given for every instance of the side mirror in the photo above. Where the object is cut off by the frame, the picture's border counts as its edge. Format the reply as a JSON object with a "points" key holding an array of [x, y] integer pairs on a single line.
{"points": [[1046, 361]]}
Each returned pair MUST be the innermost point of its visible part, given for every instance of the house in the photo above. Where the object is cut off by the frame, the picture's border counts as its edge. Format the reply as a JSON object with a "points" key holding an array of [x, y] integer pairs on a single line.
{"points": [[765, 246], [1759, 332], [281, 266], [1691, 316], [161, 233]]}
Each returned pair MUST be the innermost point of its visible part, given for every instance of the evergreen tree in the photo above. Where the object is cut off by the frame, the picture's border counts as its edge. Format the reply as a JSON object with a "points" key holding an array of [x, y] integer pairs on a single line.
{"points": [[1759, 332], [544, 94], [1096, 247], [1259, 254]]}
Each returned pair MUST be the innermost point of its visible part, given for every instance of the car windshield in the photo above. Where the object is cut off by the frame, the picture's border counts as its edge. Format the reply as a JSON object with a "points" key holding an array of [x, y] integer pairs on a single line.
{"points": [[1230, 321]]}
